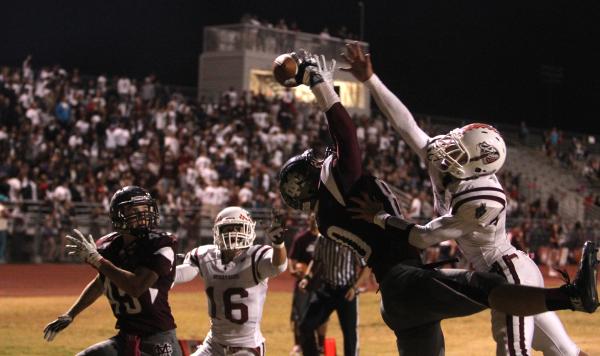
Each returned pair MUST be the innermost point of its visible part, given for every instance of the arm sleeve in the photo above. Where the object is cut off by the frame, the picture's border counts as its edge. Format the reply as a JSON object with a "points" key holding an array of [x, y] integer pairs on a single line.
{"points": [[185, 272], [470, 217], [264, 263], [343, 133], [399, 116]]}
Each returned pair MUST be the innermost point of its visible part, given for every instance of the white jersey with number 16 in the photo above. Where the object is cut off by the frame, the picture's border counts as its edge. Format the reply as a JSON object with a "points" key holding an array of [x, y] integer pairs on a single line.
{"points": [[236, 291]]}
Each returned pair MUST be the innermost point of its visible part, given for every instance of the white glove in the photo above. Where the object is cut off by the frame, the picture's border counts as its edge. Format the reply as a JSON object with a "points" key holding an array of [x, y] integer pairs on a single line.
{"points": [[326, 73], [56, 326], [84, 248]]}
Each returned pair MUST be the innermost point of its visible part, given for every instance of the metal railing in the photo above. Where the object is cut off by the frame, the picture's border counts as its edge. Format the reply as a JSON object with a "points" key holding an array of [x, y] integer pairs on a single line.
{"points": [[246, 37], [30, 221]]}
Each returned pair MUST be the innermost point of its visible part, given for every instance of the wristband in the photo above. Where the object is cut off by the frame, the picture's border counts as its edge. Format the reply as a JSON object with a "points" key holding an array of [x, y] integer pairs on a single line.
{"points": [[325, 95], [279, 245], [94, 259], [380, 218]]}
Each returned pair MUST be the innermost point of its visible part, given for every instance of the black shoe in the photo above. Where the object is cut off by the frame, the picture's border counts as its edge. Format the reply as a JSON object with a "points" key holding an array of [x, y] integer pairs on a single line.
{"points": [[582, 291]]}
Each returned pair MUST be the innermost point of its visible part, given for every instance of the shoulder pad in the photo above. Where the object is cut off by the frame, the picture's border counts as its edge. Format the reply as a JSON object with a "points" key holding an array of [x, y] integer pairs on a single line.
{"points": [[205, 249], [257, 251], [159, 239], [196, 254], [107, 239]]}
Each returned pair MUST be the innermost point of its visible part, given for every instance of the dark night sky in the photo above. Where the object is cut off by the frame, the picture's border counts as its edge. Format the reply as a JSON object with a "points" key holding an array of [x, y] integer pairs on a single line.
{"points": [[473, 59]]}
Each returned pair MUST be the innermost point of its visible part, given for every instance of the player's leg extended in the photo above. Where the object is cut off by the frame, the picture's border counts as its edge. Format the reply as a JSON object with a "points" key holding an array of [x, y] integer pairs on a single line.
{"points": [[580, 295], [511, 333], [414, 300]]}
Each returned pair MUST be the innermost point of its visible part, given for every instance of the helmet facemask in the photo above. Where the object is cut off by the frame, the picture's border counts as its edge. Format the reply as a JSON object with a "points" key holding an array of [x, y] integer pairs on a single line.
{"points": [[448, 154], [299, 181], [468, 152], [136, 216], [234, 233]]}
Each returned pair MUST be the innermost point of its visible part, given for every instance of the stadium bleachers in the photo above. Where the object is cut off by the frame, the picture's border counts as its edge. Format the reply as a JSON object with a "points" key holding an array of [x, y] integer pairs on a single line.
{"points": [[69, 141]]}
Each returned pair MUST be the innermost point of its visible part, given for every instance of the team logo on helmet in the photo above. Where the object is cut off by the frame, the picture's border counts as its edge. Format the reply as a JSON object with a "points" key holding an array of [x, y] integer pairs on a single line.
{"points": [[292, 186], [488, 153]]}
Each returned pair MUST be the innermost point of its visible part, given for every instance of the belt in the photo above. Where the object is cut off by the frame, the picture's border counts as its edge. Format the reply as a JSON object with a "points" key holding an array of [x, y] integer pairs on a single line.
{"points": [[233, 349]]}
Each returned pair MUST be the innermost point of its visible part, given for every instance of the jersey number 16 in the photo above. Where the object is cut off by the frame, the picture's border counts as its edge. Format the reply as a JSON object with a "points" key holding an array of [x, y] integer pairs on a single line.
{"points": [[229, 305]]}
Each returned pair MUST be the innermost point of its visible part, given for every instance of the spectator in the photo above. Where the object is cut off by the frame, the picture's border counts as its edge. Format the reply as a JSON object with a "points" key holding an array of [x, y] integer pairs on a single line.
{"points": [[227, 150], [338, 290], [4, 215]]}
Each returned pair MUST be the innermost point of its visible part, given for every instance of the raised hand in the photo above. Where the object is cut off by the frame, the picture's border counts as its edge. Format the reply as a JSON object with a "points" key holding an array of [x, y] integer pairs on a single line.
{"points": [[366, 208], [306, 66], [326, 73], [276, 230], [84, 248], [359, 62]]}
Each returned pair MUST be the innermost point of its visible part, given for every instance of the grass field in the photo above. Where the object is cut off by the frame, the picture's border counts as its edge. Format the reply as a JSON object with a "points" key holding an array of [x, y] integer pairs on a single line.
{"points": [[22, 320]]}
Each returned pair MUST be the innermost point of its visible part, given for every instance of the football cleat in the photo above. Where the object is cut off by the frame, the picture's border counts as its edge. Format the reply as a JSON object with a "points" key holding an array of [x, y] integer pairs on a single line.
{"points": [[583, 292]]}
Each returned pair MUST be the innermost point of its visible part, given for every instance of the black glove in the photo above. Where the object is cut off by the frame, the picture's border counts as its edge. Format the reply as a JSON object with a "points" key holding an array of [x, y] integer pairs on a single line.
{"points": [[276, 230], [57, 326], [308, 71]]}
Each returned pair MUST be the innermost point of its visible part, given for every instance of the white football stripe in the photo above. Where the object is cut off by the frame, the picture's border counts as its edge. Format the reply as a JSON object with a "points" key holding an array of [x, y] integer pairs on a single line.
{"points": [[329, 181], [167, 252], [153, 294]]}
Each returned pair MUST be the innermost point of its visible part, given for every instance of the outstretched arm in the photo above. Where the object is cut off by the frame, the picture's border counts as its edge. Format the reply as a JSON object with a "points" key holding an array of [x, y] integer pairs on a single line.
{"points": [[134, 284], [393, 109], [189, 269], [341, 128], [87, 297], [468, 217], [185, 272]]}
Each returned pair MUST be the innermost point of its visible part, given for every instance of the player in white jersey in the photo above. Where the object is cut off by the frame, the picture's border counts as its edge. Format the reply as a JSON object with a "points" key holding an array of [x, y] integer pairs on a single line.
{"points": [[471, 205], [235, 274]]}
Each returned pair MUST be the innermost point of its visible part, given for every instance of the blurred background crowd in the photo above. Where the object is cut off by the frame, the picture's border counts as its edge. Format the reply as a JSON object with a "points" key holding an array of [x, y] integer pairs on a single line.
{"points": [[68, 141]]}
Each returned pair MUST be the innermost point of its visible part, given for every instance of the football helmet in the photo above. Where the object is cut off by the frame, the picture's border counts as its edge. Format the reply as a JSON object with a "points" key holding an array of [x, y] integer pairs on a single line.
{"points": [[133, 208], [299, 181], [468, 152], [234, 229]]}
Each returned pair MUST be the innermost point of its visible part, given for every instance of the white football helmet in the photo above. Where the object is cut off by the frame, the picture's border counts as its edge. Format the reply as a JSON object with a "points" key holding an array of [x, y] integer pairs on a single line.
{"points": [[234, 229], [468, 152]]}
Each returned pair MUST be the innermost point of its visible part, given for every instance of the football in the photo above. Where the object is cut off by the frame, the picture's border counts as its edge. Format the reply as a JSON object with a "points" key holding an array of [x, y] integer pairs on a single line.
{"points": [[285, 69]]}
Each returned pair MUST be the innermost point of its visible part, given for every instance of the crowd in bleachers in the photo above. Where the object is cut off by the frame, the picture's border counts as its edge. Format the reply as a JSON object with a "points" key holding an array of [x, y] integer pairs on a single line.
{"points": [[65, 139], [572, 151]]}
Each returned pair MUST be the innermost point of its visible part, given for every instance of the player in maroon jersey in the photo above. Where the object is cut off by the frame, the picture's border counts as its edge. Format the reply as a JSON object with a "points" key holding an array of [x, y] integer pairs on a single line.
{"points": [[136, 268], [414, 299]]}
